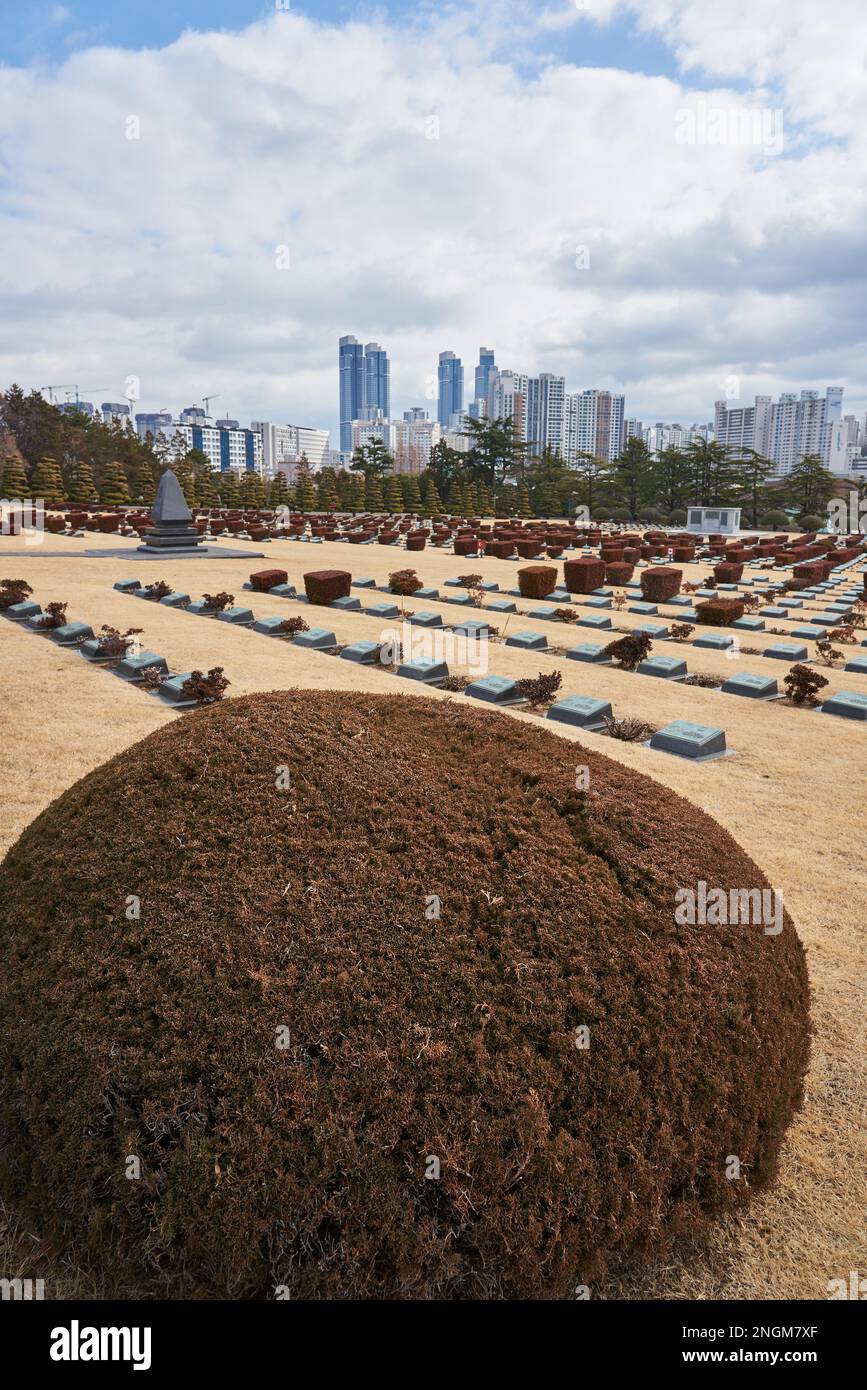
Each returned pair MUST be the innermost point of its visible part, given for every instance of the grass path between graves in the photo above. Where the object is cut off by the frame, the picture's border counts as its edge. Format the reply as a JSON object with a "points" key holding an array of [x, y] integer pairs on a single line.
{"points": [[793, 797]]}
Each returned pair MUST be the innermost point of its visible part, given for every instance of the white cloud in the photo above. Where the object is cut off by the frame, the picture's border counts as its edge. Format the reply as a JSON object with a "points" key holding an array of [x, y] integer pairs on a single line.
{"points": [[157, 255]]}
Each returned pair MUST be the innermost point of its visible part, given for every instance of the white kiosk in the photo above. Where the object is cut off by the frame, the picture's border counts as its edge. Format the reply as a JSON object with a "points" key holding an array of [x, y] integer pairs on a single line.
{"points": [[714, 521]]}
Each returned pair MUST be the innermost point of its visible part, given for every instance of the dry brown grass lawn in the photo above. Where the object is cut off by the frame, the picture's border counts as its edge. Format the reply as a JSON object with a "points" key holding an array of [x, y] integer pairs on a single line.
{"points": [[793, 796]]}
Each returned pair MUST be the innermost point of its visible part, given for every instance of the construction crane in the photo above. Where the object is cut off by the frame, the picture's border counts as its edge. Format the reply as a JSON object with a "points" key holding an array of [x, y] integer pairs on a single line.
{"points": [[68, 386], [206, 401]]}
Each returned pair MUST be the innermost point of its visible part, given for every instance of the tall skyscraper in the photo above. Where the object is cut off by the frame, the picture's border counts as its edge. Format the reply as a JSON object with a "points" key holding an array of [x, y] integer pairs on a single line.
{"points": [[507, 399], [376, 382], [545, 396], [364, 385], [351, 365], [451, 388], [804, 425], [744, 427], [484, 371], [593, 424]]}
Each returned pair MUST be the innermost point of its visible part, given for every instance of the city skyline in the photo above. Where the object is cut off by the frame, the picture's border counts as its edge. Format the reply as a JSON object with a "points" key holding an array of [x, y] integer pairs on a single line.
{"points": [[663, 270]]}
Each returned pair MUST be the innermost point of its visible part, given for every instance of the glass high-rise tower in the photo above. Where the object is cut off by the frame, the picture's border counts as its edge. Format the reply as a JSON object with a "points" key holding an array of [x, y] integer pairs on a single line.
{"points": [[376, 385], [451, 388], [484, 372], [351, 364], [364, 385]]}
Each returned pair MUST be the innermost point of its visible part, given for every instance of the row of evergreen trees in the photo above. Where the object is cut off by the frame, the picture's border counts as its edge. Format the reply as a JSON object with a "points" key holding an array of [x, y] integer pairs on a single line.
{"points": [[202, 487]]}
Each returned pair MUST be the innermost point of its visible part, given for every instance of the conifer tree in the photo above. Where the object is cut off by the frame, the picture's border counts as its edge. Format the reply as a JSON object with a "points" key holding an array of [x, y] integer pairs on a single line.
{"points": [[252, 490], [393, 493], [373, 499], [486, 501], [183, 471], [47, 481], [206, 489], [326, 490], [278, 492], [345, 490], [431, 503], [411, 493], [305, 493], [228, 488], [113, 490], [143, 489], [524, 508], [358, 494], [15, 484], [81, 485]]}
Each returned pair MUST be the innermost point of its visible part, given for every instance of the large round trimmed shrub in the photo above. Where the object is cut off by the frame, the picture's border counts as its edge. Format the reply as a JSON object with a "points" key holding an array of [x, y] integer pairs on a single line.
{"points": [[376, 974]]}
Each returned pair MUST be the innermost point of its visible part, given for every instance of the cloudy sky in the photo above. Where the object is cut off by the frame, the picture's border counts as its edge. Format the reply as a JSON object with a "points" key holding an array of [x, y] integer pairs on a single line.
{"points": [[205, 194]]}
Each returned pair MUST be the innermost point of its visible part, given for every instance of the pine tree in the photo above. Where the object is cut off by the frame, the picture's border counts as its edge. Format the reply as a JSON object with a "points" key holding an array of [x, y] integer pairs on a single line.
{"points": [[185, 475], [113, 490], [229, 490], [431, 504], [393, 493], [206, 489], [547, 500], [305, 493], [471, 501], [15, 484], [411, 493], [486, 501], [47, 481], [345, 490], [81, 485], [252, 490], [327, 490], [143, 489], [278, 492], [358, 494], [524, 508], [373, 499], [457, 497]]}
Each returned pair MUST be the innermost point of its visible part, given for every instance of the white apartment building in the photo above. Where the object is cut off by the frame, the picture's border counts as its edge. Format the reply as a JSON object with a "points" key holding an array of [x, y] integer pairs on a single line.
{"points": [[632, 429], [592, 424], [507, 399], [285, 444], [659, 437], [804, 425], [847, 438], [545, 402], [365, 430], [744, 427], [413, 441]]}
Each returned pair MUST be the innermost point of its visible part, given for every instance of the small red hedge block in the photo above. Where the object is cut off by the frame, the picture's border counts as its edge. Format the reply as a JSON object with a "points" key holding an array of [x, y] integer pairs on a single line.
{"points": [[415, 542], [727, 572], [720, 612], [500, 549], [811, 570], [324, 586], [660, 583], [466, 545], [263, 580], [618, 572], [537, 581], [584, 575]]}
